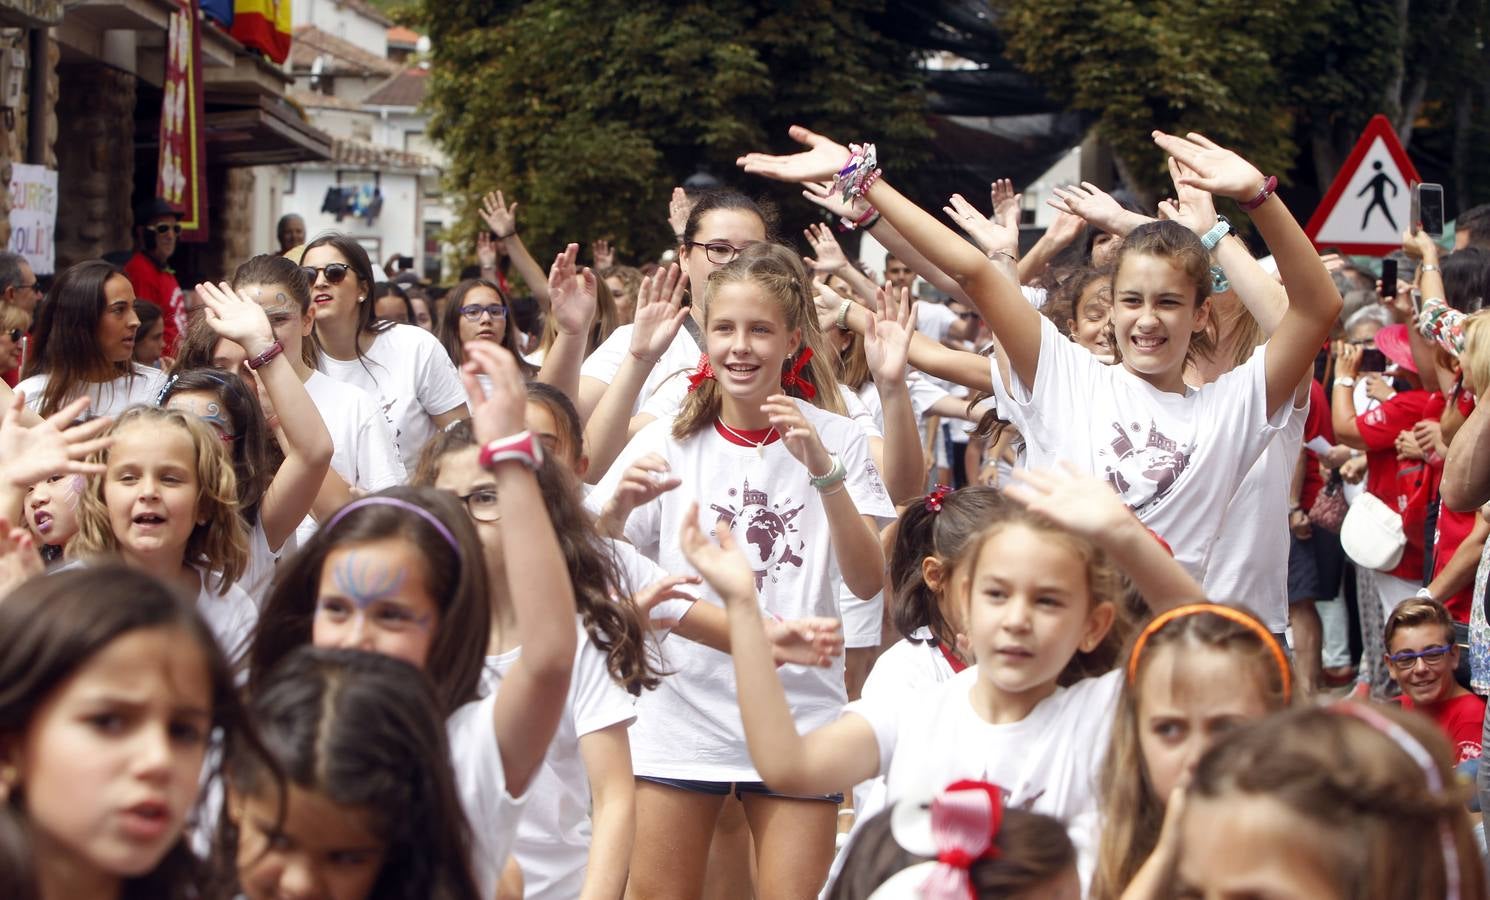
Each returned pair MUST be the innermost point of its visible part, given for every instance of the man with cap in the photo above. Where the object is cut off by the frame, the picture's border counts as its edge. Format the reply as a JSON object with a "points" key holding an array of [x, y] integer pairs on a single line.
{"points": [[157, 229]]}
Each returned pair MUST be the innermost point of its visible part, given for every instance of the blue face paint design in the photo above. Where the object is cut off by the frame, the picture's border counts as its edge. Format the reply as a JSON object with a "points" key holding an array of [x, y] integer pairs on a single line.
{"points": [[363, 580], [215, 417]]}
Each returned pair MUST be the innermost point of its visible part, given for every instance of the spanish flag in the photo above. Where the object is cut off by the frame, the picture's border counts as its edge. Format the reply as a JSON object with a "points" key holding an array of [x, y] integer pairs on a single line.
{"points": [[263, 25]]}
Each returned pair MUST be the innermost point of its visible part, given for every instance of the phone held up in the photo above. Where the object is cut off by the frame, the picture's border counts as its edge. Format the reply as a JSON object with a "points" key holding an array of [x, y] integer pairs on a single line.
{"points": [[1389, 278], [1427, 209]]}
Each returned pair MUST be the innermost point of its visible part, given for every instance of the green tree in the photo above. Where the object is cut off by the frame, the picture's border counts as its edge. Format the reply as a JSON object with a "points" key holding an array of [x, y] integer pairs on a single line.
{"points": [[589, 113]]}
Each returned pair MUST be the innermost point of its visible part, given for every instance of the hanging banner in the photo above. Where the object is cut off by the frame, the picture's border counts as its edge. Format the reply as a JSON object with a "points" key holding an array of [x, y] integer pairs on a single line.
{"points": [[33, 215], [182, 174], [264, 25]]}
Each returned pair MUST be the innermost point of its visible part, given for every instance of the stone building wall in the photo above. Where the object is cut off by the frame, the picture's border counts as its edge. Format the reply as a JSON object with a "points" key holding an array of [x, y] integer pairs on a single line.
{"points": [[95, 161]]}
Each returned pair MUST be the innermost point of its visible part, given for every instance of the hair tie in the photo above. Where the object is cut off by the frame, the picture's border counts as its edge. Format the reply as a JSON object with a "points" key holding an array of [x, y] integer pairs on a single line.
{"points": [[704, 372], [165, 389], [1225, 612], [1424, 760], [935, 498], [794, 379], [419, 511]]}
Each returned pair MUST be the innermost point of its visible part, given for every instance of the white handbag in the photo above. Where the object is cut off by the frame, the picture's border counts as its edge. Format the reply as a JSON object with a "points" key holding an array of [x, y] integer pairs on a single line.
{"points": [[1372, 534]]}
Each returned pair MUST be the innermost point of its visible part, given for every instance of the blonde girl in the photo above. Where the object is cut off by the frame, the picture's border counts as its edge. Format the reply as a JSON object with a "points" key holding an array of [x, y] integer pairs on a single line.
{"points": [[167, 504], [1348, 801], [1194, 675], [798, 485], [1036, 596], [1175, 454]]}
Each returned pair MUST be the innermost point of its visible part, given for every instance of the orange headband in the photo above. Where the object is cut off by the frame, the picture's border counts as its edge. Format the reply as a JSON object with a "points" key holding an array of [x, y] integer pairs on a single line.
{"points": [[1225, 612]]}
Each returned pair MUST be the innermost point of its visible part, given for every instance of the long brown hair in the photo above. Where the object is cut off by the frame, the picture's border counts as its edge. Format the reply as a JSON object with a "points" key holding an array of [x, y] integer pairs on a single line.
{"points": [[1377, 816], [64, 343], [778, 272], [1132, 814], [448, 328], [356, 256], [612, 621], [271, 270], [221, 545], [940, 527]]}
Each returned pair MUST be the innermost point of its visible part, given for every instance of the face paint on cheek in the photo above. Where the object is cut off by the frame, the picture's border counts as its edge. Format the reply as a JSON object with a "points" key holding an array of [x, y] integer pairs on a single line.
{"points": [[214, 416], [365, 581]]}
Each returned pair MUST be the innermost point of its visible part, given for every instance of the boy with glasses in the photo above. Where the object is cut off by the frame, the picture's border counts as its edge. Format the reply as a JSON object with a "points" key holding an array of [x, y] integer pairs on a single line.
{"points": [[1421, 657]]}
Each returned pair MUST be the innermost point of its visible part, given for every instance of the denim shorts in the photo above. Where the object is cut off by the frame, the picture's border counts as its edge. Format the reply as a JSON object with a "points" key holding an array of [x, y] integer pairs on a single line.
{"points": [[738, 788]]}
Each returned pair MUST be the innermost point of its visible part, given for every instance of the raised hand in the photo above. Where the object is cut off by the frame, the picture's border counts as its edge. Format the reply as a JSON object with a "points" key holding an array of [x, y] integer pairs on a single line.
{"points": [[999, 234], [604, 253], [820, 161], [887, 340], [19, 559], [237, 317], [1347, 360], [830, 256], [821, 193], [659, 313], [800, 438], [1211, 167], [500, 411], [1191, 206], [1418, 245], [1064, 228], [666, 588], [1379, 389], [719, 561], [646, 479], [1096, 206], [571, 292], [827, 302], [498, 216], [678, 209], [487, 248], [1082, 503], [29, 453], [804, 642]]}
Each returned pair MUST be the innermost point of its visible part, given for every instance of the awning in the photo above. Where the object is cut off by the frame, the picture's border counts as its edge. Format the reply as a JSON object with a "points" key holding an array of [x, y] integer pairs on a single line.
{"points": [[266, 133], [30, 13]]}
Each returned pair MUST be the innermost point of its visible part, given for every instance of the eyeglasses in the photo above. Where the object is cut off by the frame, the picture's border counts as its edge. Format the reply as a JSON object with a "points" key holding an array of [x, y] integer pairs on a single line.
{"points": [[718, 252], [482, 505], [15, 335], [473, 312], [166, 227], [1433, 656], [26, 287], [336, 273]]}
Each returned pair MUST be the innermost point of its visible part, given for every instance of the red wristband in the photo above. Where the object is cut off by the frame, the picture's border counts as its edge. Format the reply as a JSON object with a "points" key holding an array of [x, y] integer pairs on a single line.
{"points": [[521, 447], [1269, 186], [263, 359]]}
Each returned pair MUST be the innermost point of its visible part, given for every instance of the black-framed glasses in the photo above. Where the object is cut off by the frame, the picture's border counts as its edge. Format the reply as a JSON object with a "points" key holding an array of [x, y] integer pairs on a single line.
{"points": [[472, 313], [718, 252], [482, 505], [336, 273], [1433, 656], [166, 227]]}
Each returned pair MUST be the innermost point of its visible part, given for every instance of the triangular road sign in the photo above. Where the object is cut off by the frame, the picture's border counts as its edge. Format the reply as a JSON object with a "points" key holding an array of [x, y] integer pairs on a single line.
{"points": [[1367, 206]]}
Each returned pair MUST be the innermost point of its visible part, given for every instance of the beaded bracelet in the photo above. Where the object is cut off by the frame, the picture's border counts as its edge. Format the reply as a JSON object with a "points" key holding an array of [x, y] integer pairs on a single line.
{"points": [[858, 174]]}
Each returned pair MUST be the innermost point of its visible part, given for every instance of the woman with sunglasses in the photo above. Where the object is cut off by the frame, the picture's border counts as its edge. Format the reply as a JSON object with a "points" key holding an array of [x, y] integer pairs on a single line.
{"points": [[14, 323], [402, 366], [83, 345]]}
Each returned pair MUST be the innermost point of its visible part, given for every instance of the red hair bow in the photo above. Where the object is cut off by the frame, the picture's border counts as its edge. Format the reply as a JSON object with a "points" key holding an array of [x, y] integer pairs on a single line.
{"points": [[793, 377], [965, 821], [935, 498], [704, 372]]}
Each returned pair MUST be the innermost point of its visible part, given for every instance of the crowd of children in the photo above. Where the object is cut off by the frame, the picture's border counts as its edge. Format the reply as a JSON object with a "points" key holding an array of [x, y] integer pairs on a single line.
{"points": [[663, 594]]}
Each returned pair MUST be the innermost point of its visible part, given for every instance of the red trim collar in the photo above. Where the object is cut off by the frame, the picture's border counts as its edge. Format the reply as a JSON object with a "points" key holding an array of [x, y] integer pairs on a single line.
{"points": [[742, 437], [952, 659]]}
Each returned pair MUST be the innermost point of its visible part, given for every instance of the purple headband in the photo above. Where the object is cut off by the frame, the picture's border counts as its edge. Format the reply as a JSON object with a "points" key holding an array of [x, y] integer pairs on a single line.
{"points": [[420, 511]]}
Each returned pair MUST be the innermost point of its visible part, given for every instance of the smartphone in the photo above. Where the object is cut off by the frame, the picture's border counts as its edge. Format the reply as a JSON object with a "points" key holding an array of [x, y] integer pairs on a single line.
{"points": [[1427, 208], [1389, 278], [1373, 360]]}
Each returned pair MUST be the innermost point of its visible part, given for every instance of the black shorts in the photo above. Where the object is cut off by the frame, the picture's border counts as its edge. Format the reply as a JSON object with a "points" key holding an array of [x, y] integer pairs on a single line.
{"points": [[738, 788], [1315, 566]]}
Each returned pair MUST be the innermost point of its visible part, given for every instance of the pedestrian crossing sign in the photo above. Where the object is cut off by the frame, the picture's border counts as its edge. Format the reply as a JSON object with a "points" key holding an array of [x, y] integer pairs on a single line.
{"points": [[1366, 209]]}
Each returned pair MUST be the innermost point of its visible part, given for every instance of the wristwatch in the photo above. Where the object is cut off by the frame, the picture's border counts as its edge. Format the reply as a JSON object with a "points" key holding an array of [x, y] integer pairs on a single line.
{"points": [[1218, 231], [521, 447]]}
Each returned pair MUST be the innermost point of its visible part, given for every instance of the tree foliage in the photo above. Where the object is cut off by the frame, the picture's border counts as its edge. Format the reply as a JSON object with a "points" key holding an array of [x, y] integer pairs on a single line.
{"points": [[589, 113]]}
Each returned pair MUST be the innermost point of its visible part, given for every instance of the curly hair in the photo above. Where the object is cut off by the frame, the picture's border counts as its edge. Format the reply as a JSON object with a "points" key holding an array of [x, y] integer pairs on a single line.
{"points": [[221, 544]]}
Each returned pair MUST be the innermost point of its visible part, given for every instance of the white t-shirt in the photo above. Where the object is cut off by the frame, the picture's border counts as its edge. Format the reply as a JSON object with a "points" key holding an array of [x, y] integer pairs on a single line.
{"points": [[934, 319], [679, 359], [636, 572], [412, 378], [482, 784], [363, 452], [690, 726], [1046, 762], [553, 837], [1249, 562], [1175, 459], [231, 614], [109, 398], [259, 573]]}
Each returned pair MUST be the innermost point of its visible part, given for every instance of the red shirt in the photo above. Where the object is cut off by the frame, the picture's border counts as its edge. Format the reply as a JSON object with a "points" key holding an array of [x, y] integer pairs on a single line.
{"points": [[1404, 485], [159, 286], [1316, 424], [1461, 719]]}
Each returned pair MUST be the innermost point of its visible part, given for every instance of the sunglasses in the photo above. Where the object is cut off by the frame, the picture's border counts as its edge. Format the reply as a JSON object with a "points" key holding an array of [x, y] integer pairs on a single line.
{"points": [[15, 335], [473, 312], [165, 227], [336, 273]]}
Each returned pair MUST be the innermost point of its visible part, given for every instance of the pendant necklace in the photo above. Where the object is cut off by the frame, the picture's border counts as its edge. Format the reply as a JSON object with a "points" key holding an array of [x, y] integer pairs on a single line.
{"points": [[760, 446]]}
